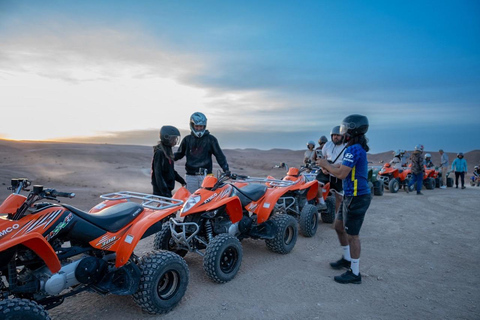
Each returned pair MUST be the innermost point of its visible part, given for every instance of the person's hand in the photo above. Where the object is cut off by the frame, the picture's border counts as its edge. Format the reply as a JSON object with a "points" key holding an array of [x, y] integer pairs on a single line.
{"points": [[227, 173]]}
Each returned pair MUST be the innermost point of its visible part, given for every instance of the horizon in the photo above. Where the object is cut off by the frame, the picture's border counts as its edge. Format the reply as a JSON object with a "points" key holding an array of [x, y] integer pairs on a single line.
{"points": [[266, 74]]}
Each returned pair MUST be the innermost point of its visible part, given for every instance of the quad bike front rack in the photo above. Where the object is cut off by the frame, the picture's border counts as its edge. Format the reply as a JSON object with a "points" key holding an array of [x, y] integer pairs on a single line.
{"points": [[271, 182], [147, 200]]}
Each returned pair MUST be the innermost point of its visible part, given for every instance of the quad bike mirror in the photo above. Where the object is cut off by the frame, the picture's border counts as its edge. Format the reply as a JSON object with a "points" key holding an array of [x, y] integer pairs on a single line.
{"points": [[37, 189]]}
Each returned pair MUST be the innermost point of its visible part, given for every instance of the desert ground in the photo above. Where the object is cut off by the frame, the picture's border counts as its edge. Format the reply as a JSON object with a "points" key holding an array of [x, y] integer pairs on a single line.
{"points": [[419, 260]]}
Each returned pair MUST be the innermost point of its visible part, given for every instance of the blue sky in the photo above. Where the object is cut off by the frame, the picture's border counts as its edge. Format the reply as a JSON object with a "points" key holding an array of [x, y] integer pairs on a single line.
{"points": [[268, 74]]}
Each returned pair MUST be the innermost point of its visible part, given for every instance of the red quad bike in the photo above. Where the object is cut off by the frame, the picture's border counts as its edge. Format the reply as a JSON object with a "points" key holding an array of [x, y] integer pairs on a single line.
{"points": [[50, 251], [220, 214], [305, 181], [394, 178]]}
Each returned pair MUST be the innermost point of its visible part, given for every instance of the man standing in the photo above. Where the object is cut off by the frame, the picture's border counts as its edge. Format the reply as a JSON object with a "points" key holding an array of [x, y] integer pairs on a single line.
{"points": [[333, 152], [354, 171], [199, 147], [444, 167], [459, 165], [418, 169]]}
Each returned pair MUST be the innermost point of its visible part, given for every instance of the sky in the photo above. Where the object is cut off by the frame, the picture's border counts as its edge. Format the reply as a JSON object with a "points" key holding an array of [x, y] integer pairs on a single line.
{"points": [[267, 74]]}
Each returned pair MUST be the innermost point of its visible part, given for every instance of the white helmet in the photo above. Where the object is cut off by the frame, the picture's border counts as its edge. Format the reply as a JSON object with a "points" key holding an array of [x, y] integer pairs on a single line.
{"points": [[198, 119], [427, 155]]}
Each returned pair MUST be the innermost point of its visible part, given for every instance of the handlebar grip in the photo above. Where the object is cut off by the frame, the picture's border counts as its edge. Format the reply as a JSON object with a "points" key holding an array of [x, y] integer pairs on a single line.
{"points": [[63, 194]]}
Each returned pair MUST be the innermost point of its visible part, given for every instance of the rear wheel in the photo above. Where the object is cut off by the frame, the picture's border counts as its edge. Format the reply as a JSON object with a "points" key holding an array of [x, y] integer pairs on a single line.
{"points": [[163, 241], [163, 281], [429, 183], [223, 258], [328, 216], [449, 182], [393, 186], [22, 309], [438, 182], [309, 220], [286, 237]]}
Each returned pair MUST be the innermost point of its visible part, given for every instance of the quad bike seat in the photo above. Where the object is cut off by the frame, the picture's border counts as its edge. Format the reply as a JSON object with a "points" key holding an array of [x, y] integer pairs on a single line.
{"points": [[112, 218], [251, 192]]}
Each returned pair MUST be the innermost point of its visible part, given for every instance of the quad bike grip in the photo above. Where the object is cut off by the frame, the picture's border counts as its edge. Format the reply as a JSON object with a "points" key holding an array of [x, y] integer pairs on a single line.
{"points": [[63, 194]]}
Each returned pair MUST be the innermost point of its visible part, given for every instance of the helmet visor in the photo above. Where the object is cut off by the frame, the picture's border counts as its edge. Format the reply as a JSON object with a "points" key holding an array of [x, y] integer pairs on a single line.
{"points": [[173, 140], [343, 128]]}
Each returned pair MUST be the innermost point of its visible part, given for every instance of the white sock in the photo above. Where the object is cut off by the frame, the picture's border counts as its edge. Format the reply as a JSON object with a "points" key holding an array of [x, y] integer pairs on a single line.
{"points": [[355, 266], [346, 253]]}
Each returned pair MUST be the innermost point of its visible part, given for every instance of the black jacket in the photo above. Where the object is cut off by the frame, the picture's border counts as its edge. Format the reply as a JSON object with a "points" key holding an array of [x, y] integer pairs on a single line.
{"points": [[199, 153], [163, 173]]}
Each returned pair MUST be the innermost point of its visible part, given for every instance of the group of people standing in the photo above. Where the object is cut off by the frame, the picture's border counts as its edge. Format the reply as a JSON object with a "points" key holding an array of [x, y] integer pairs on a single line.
{"points": [[343, 161]]}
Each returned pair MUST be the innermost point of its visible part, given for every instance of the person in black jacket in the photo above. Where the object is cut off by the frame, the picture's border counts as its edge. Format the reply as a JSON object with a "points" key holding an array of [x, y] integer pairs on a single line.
{"points": [[163, 171], [198, 148]]}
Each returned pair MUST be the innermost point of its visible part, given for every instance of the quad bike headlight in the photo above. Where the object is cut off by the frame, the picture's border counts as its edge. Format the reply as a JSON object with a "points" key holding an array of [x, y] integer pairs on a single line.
{"points": [[192, 201]]}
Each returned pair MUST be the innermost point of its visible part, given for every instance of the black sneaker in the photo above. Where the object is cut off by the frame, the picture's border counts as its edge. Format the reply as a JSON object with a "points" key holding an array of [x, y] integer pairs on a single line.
{"points": [[348, 277], [419, 193], [463, 187], [342, 263]]}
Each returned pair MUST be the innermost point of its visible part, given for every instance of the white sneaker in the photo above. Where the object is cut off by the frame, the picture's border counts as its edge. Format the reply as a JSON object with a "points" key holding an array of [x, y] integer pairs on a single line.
{"points": [[443, 187]]}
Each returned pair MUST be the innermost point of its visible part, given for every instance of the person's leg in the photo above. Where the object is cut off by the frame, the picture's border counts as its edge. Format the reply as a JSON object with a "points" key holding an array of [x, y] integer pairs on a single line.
{"points": [[462, 179], [194, 182], [339, 226], [444, 176], [419, 182], [457, 175]]}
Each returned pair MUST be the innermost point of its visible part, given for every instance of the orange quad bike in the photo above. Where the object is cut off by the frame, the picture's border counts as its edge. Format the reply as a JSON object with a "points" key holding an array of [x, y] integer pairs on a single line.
{"points": [[50, 251], [394, 178], [431, 178], [303, 191], [224, 211]]}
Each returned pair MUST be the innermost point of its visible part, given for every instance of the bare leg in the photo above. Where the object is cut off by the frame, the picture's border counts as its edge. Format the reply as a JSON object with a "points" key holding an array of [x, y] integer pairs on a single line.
{"points": [[354, 242]]}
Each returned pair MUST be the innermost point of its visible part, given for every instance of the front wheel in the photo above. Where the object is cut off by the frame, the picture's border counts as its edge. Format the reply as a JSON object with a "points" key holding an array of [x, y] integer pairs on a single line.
{"points": [[223, 258], [286, 236], [16, 308], [309, 220], [163, 281], [163, 241], [378, 188], [393, 186]]}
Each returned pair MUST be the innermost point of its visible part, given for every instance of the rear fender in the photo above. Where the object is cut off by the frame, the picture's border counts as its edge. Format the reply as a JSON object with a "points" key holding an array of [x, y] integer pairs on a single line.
{"points": [[37, 243], [124, 241], [264, 206]]}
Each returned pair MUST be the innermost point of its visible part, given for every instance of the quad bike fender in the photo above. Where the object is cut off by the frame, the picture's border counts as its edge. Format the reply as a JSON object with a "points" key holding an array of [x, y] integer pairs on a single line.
{"points": [[129, 237], [233, 208], [12, 204], [264, 207], [37, 243], [182, 194], [312, 187]]}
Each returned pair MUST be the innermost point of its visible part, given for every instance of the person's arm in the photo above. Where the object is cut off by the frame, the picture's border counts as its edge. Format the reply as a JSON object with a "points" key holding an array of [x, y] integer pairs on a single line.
{"points": [[179, 178], [181, 150], [218, 153], [339, 171]]}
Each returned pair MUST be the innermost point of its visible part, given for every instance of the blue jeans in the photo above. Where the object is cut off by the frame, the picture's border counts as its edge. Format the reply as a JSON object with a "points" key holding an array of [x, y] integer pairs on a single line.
{"points": [[418, 178]]}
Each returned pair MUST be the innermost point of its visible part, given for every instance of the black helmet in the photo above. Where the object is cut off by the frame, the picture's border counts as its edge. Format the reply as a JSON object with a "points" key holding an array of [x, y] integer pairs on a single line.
{"points": [[169, 136], [198, 119], [322, 140], [354, 125]]}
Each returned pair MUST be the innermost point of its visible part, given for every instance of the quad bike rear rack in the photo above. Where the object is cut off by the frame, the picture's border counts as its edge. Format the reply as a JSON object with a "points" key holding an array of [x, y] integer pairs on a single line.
{"points": [[147, 200]]}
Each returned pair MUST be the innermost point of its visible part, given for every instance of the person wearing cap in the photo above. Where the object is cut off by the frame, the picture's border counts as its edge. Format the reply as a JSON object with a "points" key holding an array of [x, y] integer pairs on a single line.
{"points": [[321, 143], [459, 166], [198, 147], [310, 156], [444, 164]]}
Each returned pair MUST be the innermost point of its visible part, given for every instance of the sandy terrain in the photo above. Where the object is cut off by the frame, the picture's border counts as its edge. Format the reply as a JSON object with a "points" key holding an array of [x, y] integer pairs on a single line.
{"points": [[419, 260]]}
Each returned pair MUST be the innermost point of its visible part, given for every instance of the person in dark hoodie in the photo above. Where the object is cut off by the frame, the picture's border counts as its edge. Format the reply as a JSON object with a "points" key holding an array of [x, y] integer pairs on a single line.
{"points": [[198, 148], [418, 169], [163, 170]]}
